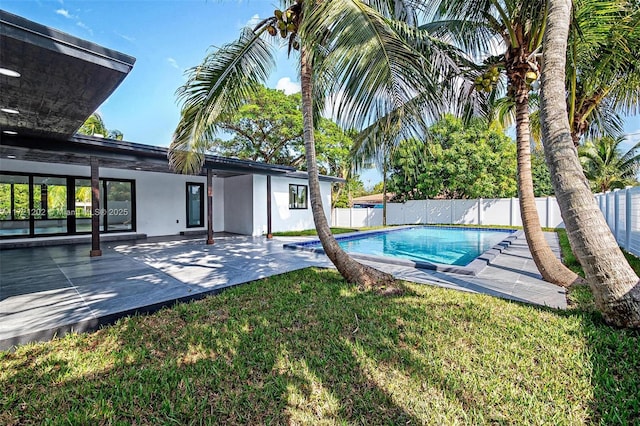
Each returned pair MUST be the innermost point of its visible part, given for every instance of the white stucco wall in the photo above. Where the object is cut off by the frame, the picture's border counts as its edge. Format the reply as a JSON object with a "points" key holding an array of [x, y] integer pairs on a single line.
{"points": [[238, 204], [283, 218], [161, 201], [218, 204]]}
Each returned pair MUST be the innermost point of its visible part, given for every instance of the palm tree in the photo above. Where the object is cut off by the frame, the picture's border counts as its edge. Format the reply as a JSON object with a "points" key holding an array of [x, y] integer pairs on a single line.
{"points": [[94, 125], [349, 48], [480, 26], [615, 285], [606, 166], [603, 77]]}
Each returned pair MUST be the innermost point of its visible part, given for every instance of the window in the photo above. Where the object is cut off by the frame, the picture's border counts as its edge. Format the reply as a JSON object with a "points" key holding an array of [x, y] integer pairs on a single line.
{"points": [[14, 205], [195, 204], [34, 205], [297, 196], [118, 205], [49, 209]]}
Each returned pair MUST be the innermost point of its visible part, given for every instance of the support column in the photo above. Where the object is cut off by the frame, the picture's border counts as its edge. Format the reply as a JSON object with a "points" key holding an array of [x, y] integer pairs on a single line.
{"points": [[95, 208], [209, 206], [269, 235]]}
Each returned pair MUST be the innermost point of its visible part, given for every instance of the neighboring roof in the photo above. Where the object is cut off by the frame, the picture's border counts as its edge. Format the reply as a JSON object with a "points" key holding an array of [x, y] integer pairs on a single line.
{"points": [[63, 79], [298, 174], [128, 155], [372, 198]]}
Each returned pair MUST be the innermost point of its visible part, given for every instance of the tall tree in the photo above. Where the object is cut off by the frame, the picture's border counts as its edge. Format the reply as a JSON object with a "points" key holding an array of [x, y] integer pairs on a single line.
{"points": [[461, 160], [94, 125], [333, 149], [542, 186], [517, 27], [603, 76], [615, 285], [267, 127], [346, 47], [606, 166]]}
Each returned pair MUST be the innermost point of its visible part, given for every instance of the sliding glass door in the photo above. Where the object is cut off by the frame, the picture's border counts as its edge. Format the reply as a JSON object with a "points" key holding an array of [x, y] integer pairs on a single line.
{"points": [[14, 205], [38, 205]]}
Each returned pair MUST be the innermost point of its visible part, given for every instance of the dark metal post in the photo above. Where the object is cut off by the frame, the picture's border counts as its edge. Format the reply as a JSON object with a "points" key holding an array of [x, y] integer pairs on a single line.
{"points": [[209, 206], [95, 209], [269, 235], [71, 206]]}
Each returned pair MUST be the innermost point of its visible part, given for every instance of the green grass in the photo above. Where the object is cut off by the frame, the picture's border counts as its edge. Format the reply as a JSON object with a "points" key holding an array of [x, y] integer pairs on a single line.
{"points": [[581, 296], [312, 232], [570, 260], [308, 348]]}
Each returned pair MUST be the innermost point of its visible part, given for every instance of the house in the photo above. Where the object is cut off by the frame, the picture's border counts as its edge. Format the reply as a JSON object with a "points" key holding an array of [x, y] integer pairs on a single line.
{"points": [[55, 184], [371, 201]]}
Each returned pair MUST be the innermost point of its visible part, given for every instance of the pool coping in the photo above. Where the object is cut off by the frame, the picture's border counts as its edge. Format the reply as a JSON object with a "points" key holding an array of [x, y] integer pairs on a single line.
{"points": [[473, 268]]}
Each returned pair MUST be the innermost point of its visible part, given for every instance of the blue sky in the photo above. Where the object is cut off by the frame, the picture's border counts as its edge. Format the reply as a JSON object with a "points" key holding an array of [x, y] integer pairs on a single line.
{"points": [[166, 37]]}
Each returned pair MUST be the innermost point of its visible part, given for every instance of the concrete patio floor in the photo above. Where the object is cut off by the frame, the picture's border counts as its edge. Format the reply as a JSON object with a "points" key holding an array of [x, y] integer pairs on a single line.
{"points": [[49, 291]]}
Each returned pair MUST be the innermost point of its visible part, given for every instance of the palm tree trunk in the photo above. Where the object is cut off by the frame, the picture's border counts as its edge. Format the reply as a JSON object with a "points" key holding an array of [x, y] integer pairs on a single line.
{"points": [[351, 270], [615, 285], [550, 267]]}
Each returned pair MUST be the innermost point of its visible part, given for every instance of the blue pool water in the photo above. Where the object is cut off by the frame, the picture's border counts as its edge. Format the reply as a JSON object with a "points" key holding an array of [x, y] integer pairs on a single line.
{"points": [[449, 246]]}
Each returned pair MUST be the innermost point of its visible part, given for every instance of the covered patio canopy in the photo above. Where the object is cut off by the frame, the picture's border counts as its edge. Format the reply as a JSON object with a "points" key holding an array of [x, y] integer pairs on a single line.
{"points": [[51, 81]]}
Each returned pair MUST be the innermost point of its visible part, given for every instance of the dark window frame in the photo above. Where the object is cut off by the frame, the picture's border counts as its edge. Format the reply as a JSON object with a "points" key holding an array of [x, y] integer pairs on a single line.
{"points": [[104, 205], [71, 219], [187, 193], [295, 205]]}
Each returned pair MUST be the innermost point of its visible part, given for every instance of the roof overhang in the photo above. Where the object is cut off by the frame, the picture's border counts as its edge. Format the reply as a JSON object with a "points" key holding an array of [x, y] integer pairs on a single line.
{"points": [[124, 155], [63, 79]]}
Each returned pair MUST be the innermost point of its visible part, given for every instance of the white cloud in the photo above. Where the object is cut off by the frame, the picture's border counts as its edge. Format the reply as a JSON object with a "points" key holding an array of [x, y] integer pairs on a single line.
{"points": [[68, 15], [173, 63], [126, 37], [84, 27], [287, 86], [65, 13]]}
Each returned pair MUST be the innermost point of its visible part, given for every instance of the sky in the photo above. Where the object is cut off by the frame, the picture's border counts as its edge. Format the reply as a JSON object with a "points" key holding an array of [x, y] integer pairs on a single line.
{"points": [[167, 37]]}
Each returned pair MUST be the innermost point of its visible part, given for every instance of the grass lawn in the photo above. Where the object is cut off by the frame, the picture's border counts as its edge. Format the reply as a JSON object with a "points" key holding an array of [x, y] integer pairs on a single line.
{"points": [[308, 348], [311, 232]]}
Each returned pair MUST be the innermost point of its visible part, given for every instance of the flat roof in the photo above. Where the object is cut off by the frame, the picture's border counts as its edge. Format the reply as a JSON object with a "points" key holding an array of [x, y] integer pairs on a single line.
{"points": [[63, 79], [129, 155]]}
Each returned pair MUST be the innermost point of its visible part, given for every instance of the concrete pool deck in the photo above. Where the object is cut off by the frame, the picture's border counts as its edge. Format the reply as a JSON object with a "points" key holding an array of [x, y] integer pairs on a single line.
{"points": [[49, 291]]}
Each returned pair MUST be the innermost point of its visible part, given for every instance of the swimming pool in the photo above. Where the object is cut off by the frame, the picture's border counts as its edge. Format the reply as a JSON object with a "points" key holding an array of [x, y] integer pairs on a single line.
{"points": [[452, 249]]}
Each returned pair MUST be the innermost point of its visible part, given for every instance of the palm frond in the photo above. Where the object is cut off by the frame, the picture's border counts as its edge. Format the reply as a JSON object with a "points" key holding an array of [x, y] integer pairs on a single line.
{"points": [[380, 66], [382, 137], [606, 54], [475, 38], [225, 79]]}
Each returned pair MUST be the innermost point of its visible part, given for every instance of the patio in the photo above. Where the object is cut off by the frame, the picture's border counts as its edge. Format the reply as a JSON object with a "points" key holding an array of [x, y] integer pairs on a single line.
{"points": [[49, 291]]}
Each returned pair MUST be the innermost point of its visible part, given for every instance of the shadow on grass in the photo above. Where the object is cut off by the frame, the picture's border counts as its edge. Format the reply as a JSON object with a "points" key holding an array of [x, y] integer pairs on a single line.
{"points": [[307, 348], [614, 360]]}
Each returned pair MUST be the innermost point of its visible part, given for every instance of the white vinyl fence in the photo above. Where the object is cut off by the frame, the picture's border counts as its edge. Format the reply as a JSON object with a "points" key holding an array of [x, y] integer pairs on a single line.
{"points": [[483, 211], [621, 209]]}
